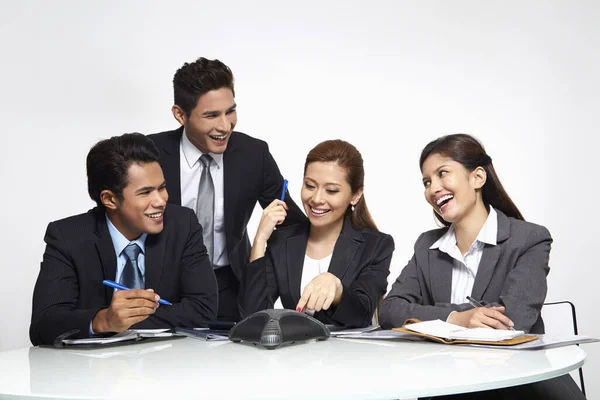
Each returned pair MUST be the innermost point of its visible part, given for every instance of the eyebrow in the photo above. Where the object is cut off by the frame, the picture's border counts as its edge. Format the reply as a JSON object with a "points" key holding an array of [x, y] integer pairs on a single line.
{"points": [[326, 183], [436, 170], [215, 112], [147, 188]]}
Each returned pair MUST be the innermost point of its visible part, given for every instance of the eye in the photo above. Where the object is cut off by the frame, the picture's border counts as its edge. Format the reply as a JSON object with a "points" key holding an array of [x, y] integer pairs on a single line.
{"points": [[426, 183], [231, 111], [442, 173], [332, 191], [308, 186]]}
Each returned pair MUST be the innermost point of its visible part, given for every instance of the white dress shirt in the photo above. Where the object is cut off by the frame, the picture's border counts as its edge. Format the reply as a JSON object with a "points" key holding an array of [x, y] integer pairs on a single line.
{"points": [[190, 171], [310, 270], [465, 267]]}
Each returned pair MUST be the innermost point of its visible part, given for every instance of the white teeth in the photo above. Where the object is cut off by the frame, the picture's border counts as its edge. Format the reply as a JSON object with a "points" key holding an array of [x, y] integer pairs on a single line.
{"points": [[155, 215], [444, 198], [314, 210], [222, 137]]}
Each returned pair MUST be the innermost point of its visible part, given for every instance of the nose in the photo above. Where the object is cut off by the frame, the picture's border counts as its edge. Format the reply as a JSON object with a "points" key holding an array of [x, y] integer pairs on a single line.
{"points": [[160, 199], [435, 186], [224, 125], [318, 197]]}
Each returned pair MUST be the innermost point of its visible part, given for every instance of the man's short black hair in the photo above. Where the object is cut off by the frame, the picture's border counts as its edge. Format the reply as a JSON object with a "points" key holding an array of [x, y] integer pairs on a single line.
{"points": [[109, 160], [194, 79]]}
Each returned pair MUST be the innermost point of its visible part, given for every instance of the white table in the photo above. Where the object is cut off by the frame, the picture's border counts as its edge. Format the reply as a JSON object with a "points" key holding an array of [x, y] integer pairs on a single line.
{"points": [[333, 369]]}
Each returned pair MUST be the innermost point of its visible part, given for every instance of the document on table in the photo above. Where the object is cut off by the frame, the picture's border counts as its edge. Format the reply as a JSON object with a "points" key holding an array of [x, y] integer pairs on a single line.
{"points": [[449, 331], [128, 335], [203, 333], [549, 342], [337, 331]]}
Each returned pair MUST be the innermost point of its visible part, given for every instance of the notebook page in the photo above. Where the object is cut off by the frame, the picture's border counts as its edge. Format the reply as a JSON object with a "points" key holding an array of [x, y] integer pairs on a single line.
{"points": [[447, 330]]}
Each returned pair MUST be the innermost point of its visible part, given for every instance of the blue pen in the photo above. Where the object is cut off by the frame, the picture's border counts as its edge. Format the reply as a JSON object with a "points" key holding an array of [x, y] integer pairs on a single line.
{"points": [[116, 285], [285, 183]]}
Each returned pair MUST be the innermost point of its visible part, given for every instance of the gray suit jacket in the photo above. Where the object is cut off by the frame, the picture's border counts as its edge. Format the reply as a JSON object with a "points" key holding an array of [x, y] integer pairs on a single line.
{"points": [[512, 274]]}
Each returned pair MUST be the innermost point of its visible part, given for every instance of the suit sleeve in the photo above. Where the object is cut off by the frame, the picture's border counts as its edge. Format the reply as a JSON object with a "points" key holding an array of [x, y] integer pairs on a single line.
{"points": [[198, 287], [258, 288], [56, 294], [405, 299], [361, 298], [272, 187], [525, 286]]}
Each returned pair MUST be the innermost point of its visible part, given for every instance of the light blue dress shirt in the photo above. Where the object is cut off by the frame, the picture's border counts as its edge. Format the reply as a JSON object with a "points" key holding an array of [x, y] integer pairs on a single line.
{"points": [[119, 243]]}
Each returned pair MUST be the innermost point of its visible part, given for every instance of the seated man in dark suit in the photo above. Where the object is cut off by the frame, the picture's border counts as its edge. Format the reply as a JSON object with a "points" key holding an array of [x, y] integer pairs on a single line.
{"points": [[131, 237], [218, 172]]}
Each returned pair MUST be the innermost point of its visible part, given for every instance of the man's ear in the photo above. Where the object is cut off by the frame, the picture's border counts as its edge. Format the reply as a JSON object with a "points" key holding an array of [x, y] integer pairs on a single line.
{"points": [[179, 114], [356, 197], [478, 177], [109, 199]]}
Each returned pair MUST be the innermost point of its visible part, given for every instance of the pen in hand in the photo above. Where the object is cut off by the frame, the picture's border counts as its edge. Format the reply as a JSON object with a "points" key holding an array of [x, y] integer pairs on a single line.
{"points": [[116, 285], [285, 185], [477, 303]]}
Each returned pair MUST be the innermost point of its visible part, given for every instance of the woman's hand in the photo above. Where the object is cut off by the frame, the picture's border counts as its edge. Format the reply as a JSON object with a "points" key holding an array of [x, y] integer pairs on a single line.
{"points": [[272, 216], [482, 317], [323, 291]]}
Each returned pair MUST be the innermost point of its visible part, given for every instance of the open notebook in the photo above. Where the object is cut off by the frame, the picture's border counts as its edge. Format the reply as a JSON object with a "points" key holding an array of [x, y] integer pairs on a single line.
{"points": [[446, 330], [447, 333]]}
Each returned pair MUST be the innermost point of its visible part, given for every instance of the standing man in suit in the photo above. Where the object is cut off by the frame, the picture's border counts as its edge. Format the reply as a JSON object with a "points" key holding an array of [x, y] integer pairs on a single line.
{"points": [[218, 172], [131, 237]]}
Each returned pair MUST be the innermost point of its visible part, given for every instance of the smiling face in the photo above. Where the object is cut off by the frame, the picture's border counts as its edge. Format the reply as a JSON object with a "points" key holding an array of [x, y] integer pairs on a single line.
{"points": [[211, 122], [326, 194], [450, 188], [143, 201]]}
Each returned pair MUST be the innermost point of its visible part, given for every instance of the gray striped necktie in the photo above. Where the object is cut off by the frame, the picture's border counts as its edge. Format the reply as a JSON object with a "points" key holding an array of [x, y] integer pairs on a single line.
{"points": [[205, 207], [132, 276]]}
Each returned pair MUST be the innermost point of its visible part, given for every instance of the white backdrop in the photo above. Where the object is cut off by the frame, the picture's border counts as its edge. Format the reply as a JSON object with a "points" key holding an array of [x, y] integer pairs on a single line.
{"points": [[386, 76]]}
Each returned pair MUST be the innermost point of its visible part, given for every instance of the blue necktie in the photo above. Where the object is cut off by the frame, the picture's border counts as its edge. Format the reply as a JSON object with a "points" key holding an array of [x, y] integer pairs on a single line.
{"points": [[132, 276]]}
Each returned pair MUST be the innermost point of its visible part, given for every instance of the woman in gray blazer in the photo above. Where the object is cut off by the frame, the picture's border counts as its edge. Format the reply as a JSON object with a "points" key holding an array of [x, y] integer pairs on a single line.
{"points": [[336, 264], [485, 254]]}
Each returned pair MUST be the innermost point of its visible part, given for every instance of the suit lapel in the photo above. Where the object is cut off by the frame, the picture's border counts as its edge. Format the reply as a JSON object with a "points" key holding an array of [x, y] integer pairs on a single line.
{"points": [[345, 250], [440, 275], [295, 252], [106, 251], [155, 251], [170, 165], [230, 176], [490, 257]]}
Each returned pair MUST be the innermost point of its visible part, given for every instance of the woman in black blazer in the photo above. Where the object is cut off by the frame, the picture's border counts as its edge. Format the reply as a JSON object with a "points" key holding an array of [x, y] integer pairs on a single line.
{"points": [[335, 265], [486, 251]]}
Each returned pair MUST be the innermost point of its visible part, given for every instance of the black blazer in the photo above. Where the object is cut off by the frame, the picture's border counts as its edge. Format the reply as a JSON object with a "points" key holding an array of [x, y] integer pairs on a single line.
{"points": [[361, 260], [250, 175], [80, 255], [511, 274]]}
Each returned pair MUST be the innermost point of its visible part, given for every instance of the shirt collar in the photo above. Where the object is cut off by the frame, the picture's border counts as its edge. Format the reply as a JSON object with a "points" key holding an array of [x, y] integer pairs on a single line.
{"points": [[488, 233], [120, 242], [192, 154]]}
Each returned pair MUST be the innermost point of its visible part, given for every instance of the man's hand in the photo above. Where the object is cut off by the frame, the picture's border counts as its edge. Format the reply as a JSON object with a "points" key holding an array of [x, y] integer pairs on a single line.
{"points": [[323, 291], [482, 317], [128, 307]]}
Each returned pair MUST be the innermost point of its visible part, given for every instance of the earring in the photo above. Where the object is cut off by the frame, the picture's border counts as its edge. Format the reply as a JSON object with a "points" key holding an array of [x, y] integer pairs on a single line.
{"points": [[352, 207]]}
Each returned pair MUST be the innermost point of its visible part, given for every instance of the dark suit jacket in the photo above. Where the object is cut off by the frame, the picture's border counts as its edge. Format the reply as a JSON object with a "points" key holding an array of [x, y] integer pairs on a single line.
{"points": [[512, 274], [361, 260], [80, 255], [250, 175]]}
